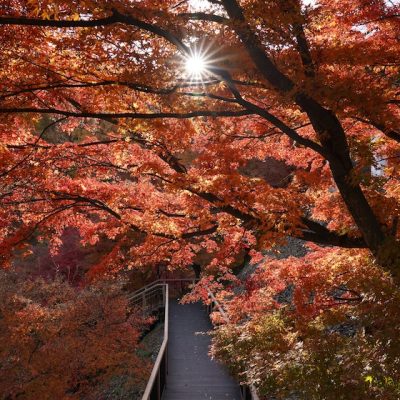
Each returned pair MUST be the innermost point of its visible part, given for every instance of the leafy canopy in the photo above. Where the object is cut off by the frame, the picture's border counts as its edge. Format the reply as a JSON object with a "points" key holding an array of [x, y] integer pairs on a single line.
{"points": [[103, 129]]}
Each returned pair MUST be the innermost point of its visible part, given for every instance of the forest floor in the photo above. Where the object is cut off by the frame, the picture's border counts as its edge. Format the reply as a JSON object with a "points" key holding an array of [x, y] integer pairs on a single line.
{"points": [[120, 387], [152, 342]]}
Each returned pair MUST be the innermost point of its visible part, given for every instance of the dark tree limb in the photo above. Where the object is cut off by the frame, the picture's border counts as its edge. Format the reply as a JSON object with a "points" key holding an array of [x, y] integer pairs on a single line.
{"points": [[132, 115], [390, 133]]}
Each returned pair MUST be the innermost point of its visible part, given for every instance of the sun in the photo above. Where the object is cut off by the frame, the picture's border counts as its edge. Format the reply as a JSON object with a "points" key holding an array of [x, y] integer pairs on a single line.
{"points": [[199, 61], [195, 65]]}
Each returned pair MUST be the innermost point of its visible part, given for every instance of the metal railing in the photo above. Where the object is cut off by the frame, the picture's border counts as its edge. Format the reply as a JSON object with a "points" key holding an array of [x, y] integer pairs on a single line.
{"points": [[248, 392], [149, 298]]}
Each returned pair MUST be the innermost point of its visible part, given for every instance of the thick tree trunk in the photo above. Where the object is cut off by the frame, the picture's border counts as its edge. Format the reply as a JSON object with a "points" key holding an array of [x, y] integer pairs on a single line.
{"points": [[197, 270], [333, 139]]}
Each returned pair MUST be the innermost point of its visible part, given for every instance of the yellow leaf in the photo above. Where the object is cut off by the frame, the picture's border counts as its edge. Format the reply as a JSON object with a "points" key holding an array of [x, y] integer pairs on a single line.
{"points": [[369, 379]]}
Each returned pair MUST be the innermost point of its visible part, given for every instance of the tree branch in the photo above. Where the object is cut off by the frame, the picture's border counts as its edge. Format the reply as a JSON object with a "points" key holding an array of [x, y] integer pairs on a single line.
{"points": [[133, 115], [390, 133], [114, 18], [33, 148], [319, 234], [22, 21]]}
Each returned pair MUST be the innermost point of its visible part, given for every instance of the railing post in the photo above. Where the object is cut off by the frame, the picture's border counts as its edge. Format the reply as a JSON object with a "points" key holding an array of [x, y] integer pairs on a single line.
{"points": [[164, 293], [144, 301], [159, 385], [163, 371]]}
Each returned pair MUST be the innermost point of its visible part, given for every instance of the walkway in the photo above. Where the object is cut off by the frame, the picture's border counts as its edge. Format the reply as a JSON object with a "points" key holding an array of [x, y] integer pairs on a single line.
{"points": [[192, 375]]}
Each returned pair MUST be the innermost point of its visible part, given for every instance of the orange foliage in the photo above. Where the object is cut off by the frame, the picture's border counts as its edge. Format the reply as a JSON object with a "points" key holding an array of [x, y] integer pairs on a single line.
{"points": [[322, 327], [63, 343], [97, 133]]}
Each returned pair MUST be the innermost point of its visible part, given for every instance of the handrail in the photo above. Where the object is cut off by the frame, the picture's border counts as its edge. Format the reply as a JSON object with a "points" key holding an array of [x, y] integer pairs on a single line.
{"points": [[143, 289], [156, 382], [150, 286], [148, 298], [247, 392]]}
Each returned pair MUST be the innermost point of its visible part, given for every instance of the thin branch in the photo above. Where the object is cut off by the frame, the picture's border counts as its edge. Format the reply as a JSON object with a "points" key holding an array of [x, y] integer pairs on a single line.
{"points": [[201, 16], [114, 18], [251, 107], [34, 146], [132, 85], [391, 133], [23, 21]]}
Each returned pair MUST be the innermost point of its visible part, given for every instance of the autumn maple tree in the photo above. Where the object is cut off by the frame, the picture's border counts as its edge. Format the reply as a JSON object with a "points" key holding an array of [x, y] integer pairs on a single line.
{"points": [[136, 121], [56, 340], [312, 85], [322, 327]]}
